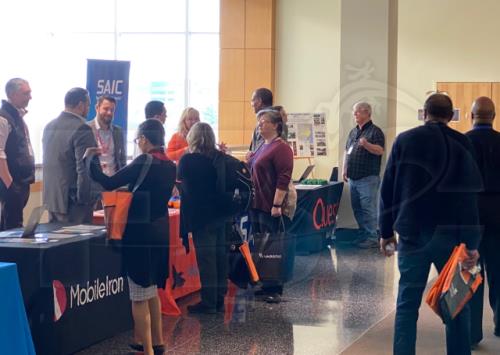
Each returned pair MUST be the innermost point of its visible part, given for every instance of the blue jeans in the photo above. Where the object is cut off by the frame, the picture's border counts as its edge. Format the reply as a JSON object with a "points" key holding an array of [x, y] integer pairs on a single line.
{"points": [[414, 266], [364, 197]]}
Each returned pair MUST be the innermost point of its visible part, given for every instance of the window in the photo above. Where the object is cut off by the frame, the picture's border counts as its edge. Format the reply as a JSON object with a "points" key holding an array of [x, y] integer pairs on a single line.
{"points": [[173, 47]]}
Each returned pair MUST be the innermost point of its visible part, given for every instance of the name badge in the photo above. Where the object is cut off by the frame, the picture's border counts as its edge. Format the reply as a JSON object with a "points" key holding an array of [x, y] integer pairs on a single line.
{"points": [[349, 151]]}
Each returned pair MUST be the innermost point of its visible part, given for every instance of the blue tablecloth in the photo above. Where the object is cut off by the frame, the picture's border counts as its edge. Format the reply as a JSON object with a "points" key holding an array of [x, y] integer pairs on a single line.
{"points": [[15, 335]]}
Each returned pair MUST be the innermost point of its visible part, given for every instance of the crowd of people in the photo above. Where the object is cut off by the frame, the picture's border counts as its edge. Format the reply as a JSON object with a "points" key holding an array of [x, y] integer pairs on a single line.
{"points": [[438, 188]]}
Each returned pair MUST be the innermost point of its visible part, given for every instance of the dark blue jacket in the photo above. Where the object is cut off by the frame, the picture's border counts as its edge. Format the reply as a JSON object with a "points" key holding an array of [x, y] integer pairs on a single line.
{"points": [[430, 188]]}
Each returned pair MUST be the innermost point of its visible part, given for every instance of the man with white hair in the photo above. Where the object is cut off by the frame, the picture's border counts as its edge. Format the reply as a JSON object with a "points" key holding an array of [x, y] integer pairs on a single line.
{"points": [[361, 168], [17, 163]]}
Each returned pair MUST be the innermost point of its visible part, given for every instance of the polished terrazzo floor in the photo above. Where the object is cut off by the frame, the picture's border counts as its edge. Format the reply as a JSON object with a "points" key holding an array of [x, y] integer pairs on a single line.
{"points": [[335, 296]]}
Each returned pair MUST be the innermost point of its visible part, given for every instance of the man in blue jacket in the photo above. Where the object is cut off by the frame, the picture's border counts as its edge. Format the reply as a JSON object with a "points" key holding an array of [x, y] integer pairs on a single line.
{"points": [[429, 197], [486, 142]]}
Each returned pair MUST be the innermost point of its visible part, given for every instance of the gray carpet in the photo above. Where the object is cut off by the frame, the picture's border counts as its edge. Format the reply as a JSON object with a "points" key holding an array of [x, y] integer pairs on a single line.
{"points": [[430, 336]]}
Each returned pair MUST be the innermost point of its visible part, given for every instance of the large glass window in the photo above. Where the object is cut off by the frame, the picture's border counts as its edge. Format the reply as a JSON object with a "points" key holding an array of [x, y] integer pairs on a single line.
{"points": [[173, 47]]}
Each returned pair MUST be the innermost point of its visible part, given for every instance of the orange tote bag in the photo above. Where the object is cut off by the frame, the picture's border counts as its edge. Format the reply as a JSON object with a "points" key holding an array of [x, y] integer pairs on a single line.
{"points": [[454, 287], [117, 203]]}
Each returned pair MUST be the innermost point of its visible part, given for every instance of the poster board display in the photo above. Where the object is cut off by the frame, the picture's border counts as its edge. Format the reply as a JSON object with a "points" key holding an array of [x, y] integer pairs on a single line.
{"points": [[307, 134]]}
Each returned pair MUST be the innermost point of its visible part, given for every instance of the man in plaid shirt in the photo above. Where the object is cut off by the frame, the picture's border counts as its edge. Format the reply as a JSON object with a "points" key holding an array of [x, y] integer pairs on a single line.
{"points": [[361, 168]]}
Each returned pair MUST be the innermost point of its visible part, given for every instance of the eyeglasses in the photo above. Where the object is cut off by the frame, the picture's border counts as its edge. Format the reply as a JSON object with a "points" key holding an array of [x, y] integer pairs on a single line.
{"points": [[136, 140]]}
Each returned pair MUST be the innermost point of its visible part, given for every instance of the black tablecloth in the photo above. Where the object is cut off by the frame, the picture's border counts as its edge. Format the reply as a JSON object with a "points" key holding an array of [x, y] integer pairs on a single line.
{"points": [[73, 290], [316, 215]]}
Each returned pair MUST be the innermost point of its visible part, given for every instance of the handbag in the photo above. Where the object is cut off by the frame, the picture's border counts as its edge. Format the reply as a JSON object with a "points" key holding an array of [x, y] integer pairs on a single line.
{"points": [[272, 255], [242, 270], [117, 203], [454, 287]]}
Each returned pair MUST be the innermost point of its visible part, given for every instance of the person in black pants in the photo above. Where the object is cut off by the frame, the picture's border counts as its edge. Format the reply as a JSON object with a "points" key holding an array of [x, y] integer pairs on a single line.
{"points": [[486, 142], [145, 242], [429, 197], [17, 163], [201, 215]]}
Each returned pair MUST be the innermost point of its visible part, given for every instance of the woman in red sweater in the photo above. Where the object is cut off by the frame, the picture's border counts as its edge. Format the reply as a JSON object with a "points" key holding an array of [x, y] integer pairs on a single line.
{"points": [[272, 166], [177, 145]]}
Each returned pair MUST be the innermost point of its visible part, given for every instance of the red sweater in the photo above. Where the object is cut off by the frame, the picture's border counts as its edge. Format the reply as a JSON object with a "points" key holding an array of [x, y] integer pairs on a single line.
{"points": [[272, 167], [177, 146]]}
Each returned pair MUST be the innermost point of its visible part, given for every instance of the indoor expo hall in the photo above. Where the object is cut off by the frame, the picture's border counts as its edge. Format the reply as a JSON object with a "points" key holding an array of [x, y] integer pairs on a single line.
{"points": [[332, 81]]}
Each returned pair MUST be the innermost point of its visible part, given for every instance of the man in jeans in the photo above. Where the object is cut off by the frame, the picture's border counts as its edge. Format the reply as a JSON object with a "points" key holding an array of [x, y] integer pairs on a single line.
{"points": [[362, 158], [429, 197]]}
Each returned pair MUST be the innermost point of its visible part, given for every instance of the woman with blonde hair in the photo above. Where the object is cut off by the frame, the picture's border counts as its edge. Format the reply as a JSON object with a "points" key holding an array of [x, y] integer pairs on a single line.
{"points": [[178, 144]]}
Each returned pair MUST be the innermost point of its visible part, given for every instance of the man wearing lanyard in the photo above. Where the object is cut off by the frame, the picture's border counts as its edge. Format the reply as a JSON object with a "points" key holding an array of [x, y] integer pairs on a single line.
{"points": [[486, 142], [17, 163], [361, 168], [109, 138]]}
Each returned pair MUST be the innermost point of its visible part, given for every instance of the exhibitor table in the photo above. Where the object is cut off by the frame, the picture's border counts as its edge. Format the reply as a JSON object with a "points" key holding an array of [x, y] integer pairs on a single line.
{"points": [[15, 335], [316, 214], [73, 290]]}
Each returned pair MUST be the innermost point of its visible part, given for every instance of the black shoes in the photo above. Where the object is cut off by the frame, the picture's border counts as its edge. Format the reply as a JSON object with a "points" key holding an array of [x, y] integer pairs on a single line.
{"points": [[157, 349], [272, 298]]}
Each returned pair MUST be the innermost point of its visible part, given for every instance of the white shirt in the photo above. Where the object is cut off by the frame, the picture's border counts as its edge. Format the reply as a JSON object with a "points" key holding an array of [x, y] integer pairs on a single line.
{"points": [[104, 138]]}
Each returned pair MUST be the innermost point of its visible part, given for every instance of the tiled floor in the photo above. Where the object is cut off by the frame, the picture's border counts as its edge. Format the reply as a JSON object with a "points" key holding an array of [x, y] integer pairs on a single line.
{"points": [[335, 296]]}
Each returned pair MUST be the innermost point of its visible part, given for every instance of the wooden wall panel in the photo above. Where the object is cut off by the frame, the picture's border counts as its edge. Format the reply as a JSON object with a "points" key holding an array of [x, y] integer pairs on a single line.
{"points": [[495, 96], [232, 75], [246, 63], [259, 24], [232, 23], [231, 122], [259, 70], [250, 120], [462, 95]]}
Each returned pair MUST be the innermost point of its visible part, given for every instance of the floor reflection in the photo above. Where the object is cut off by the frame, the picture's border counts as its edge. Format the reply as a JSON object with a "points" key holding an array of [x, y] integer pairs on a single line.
{"points": [[334, 297]]}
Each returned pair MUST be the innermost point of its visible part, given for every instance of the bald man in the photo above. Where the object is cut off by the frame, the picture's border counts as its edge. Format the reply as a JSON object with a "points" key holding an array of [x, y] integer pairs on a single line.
{"points": [[486, 142]]}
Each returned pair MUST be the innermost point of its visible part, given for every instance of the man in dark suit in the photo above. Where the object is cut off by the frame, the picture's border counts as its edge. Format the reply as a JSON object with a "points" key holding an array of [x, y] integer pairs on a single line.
{"points": [[66, 184], [486, 142], [429, 197]]}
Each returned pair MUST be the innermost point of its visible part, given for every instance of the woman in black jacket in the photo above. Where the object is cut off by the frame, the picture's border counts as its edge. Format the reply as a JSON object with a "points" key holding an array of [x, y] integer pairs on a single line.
{"points": [[201, 215], [146, 237]]}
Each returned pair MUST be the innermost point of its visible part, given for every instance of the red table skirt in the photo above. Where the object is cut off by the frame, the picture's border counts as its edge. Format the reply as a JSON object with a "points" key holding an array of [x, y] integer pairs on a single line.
{"points": [[184, 277]]}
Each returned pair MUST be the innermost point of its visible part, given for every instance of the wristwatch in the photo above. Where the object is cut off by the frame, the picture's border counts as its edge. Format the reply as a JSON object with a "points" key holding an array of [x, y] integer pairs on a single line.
{"points": [[277, 206]]}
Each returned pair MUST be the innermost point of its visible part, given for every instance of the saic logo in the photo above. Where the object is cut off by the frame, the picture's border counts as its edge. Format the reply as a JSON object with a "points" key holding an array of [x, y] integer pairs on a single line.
{"points": [[82, 295]]}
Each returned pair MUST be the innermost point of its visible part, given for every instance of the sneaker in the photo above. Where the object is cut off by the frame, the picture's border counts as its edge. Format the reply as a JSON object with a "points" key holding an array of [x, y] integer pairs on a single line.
{"points": [[368, 244], [200, 308]]}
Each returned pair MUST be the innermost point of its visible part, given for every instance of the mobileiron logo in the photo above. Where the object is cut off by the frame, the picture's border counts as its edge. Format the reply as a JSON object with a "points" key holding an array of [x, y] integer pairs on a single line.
{"points": [[81, 295], [60, 300]]}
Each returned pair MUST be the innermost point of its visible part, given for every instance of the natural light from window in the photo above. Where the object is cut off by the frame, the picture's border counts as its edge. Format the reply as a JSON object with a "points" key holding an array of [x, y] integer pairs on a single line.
{"points": [[173, 47]]}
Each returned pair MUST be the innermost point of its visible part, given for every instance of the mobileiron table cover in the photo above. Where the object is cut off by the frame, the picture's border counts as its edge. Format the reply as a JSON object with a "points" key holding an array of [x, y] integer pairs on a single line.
{"points": [[15, 335], [73, 289]]}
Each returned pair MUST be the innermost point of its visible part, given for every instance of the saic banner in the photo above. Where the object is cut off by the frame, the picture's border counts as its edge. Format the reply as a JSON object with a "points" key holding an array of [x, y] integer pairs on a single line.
{"points": [[110, 78]]}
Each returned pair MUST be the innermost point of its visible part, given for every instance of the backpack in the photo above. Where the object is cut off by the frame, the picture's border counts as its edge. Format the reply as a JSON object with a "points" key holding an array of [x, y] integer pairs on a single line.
{"points": [[234, 185]]}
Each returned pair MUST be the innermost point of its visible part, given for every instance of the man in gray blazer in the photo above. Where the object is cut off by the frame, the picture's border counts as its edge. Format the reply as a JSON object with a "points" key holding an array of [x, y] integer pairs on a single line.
{"points": [[110, 140], [66, 184]]}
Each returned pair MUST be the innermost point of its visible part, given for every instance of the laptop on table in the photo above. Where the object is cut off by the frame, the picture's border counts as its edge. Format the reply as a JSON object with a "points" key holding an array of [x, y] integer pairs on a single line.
{"points": [[29, 230], [305, 174]]}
